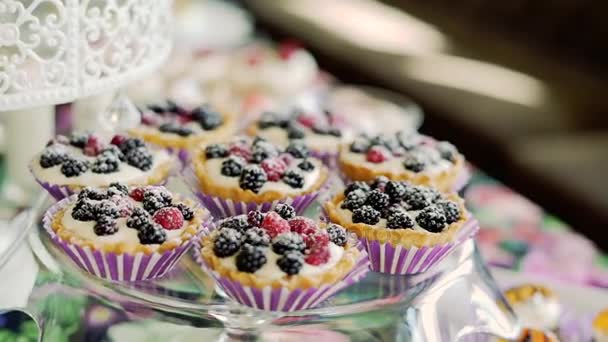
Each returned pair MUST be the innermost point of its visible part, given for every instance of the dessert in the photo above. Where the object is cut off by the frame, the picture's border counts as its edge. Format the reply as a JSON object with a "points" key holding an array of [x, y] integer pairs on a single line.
{"points": [[404, 156], [533, 335], [68, 164], [406, 228], [245, 174], [179, 129], [286, 262], [123, 233], [600, 327], [536, 306]]}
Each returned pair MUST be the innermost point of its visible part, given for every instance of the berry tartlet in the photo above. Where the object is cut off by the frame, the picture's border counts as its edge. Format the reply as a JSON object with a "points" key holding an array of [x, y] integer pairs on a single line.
{"points": [[246, 174], [320, 132], [534, 335], [68, 164], [179, 129], [279, 261], [536, 306], [125, 234], [406, 228], [404, 157]]}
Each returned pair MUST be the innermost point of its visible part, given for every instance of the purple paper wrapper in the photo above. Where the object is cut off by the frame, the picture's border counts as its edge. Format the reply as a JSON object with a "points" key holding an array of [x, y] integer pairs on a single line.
{"points": [[283, 299], [111, 266], [328, 158], [386, 258]]}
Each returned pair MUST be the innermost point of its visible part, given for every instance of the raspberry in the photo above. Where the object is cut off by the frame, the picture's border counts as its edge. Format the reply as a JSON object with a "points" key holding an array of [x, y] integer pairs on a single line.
{"points": [[240, 150], [254, 218], [149, 119], [140, 158], [137, 194], [93, 146], [274, 168], [274, 224], [236, 222], [73, 167], [356, 186], [447, 151], [285, 210], [288, 48], [151, 234], [117, 189], [227, 242], [79, 139], [130, 144], [307, 120], [84, 210], [169, 218], [232, 166], [294, 179], [316, 239], [302, 225], [118, 139], [366, 214], [106, 208], [187, 212], [418, 197], [377, 154], [379, 183], [52, 156], [291, 263], [286, 158], [256, 237], [377, 200], [413, 162], [207, 118], [250, 259], [395, 191], [359, 145], [355, 199], [288, 242], [297, 149], [139, 217], [450, 210], [92, 193], [432, 219], [337, 234], [252, 178], [399, 219], [105, 226], [317, 256], [106, 163], [216, 151], [306, 165]]}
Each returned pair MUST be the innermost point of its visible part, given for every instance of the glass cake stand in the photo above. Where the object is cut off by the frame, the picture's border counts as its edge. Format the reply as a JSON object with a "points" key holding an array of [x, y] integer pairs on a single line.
{"points": [[456, 301]]}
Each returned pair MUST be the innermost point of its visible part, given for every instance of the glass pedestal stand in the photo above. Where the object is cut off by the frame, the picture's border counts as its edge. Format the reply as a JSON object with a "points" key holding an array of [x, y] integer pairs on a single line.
{"points": [[456, 301]]}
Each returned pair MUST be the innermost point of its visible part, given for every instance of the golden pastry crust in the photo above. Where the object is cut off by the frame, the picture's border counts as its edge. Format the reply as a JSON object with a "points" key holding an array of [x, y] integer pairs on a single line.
{"points": [[404, 237], [200, 215], [338, 272], [600, 323], [156, 137], [443, 181], [209, 186], [525, 292]]}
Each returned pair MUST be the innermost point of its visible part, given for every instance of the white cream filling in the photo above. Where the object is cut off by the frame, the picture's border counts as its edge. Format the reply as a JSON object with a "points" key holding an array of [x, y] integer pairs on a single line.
{"points": [[213, 168], [125, 174], [538, 312], [392, 165], [317, 142], [347, 216], [271, 270], [124, 234]]}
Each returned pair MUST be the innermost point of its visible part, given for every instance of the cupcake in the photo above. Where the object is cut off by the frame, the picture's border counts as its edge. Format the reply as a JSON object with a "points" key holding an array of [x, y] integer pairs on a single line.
{"points": [[68, 164], [124, 234], [179, 129], [278, 261], [600, 327], [536, 306], [246, 174], [533, 335], [411, 157], [406, 228]]}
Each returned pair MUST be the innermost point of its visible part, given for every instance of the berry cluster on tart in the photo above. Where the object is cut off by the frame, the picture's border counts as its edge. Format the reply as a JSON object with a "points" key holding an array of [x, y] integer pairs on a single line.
{"points": [[403, 156]]}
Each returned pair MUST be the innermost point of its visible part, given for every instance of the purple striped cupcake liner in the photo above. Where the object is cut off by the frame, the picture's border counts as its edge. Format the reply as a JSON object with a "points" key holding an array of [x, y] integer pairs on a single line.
{"points": [[330, 159], [112, 266], [283, 299], [386, 258]]}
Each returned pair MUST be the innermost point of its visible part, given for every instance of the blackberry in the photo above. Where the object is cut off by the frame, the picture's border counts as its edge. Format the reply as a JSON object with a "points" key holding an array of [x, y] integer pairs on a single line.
{"points": [[131, 144], [255, 217], [51, 157], [450, 210], [186, 211], [153, 203], [288, 242], [395, 190], [239, 223], [84, 210], [366, 214], [160, 193], [92, 193], [216, 151], [118, 189], [113, 150], [105, 226], [391, 210], [140, 158], [262, 150], [335, 132], [233, 166], [354, 200], [291, 263], [294, 179], [377, 200], [268, 120], [256, 237], [447, 151], [399, 219], [173, 107], [106, 163], [413, 162], [73, 167], [106, 208], [298, 149], [227, 242], [432, 219], [337, 234], [139, 217], [306, 165], [379, 183], [158, 109], [174, 128], [408, 141], [356, 186], [418, 197], [320, 129], [207, 118], [151, 234], [382, 140], [250, 259], [79, 139], [252, 178], [360, 145], [295, 132], [285, 210]]}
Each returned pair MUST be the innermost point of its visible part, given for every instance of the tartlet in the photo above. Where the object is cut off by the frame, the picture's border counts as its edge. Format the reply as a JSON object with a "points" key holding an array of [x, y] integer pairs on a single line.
{"points": [[68, 164], [536, 306], [404, 157], [123, 233], [406, 228], [278, 255]]}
